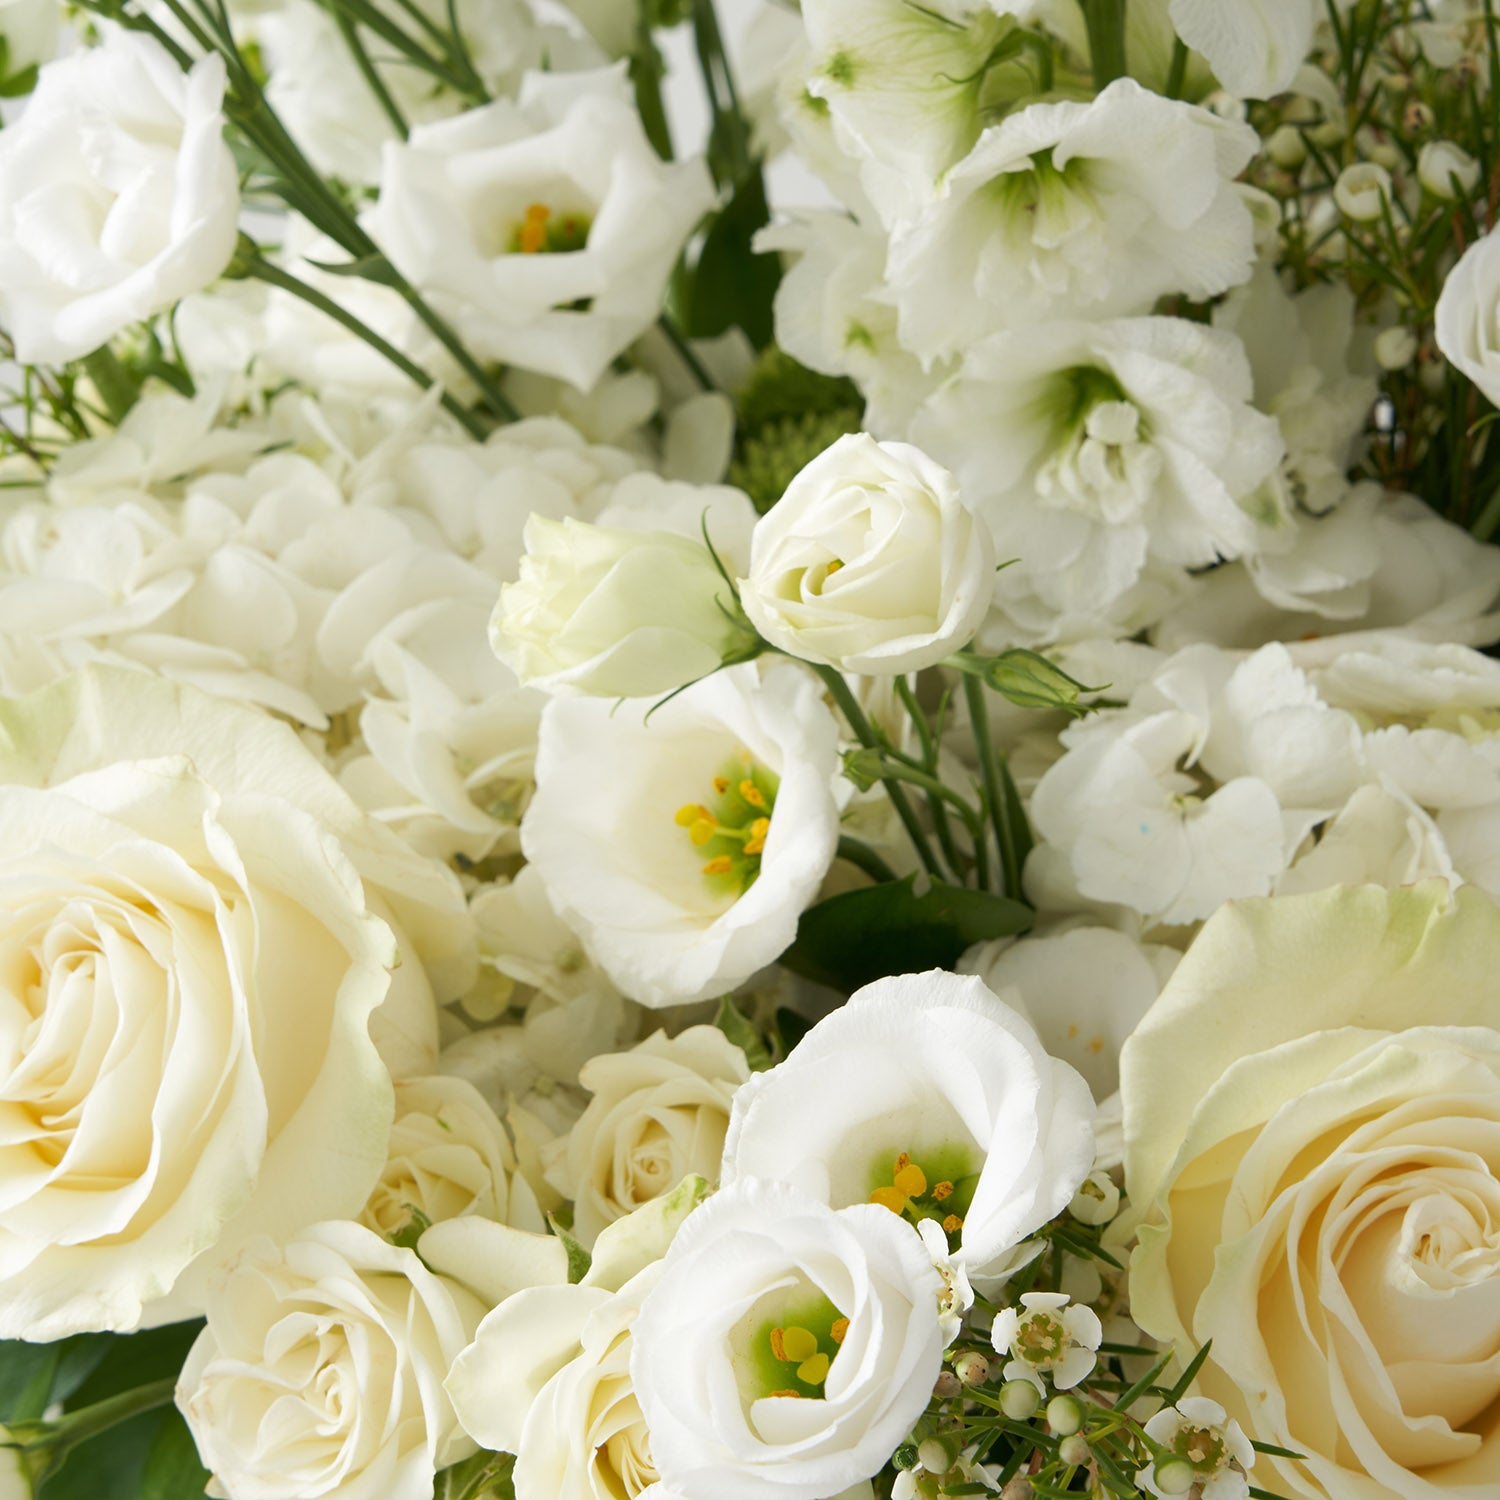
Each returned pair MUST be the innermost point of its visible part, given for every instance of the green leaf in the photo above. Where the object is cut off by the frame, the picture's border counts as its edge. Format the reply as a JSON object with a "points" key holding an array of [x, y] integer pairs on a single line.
{"points": [[26, 1375], [19, 83], [736, 1025], [173, 1470], [579, 1259], [135, 1360], [477, 1478], [731, 285], [860, 936]]}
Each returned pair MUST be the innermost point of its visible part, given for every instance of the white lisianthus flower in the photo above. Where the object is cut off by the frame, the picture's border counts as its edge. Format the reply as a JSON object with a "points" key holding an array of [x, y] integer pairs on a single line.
{"points": [[510, 214], [1468, 316], [448, 1155], [1310, 1128], [683, 847], [787, 1348], [548, 1374], [614, 613], [118, 195], [321, 1370], [1094, 449], [871, 562], [659, 1113], [1201, 1434], [1048, 1337], [185, 872], [927, 1095], [1075, 210]]}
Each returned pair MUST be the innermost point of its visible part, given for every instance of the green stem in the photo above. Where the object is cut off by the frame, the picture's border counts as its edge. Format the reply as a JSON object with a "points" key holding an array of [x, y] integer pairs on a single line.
{"points": [[373, 80], [686, 354], [262, 270], [1105, 20], [117, 387], [645, 75], [851, 851], [865, 734], [994, 792], [718, 79], [939, 813], [1177, 77]]}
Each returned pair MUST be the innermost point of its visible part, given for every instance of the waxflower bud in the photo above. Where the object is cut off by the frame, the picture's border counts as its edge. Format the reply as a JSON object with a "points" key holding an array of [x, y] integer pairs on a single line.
{"points": [[1396, 348], [1074, 1450], [946, 1386], [937, 1455], [1019, 1400], [1447, 171], [611, 613], [1097, 1200], [972, 1368], [1064, 1415], [1363, 191], [1175, 1476], [1286, 147]]}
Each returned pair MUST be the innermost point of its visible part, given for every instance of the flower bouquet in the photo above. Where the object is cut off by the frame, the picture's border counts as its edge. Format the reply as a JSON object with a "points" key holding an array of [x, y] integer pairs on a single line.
{"points": [[807, 810]]}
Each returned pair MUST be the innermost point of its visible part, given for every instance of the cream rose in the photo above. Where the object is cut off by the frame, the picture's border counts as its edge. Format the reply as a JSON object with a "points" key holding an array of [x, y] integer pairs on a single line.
{"points": [[191, 968], [659, 1113], [118, 196], [321, 1371], [870, 562], [448, 1156], [1312, 1129]]}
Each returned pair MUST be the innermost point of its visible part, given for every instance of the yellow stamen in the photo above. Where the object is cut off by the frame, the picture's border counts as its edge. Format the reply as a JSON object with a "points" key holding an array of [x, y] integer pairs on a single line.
{"points": [[942, 1191], [952, 1224], [814, 1371], [791, 1395], [902, 1162], [720, 865], [721, 784], [702, 831], [911, 1180], [799, 1344], [778, 1343], [751, 793], [888, 1197], [533, 235], [690, 813], [832, 568], [756, 843], [839, 1331]]}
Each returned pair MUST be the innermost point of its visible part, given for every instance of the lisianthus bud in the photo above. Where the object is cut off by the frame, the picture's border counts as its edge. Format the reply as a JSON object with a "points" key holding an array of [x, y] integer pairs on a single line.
{"points": [[610, 613], [1447, 171]]}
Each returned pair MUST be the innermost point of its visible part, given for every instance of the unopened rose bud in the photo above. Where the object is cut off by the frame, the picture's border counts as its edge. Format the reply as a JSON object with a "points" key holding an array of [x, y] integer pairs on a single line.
{"points": [[973, 1368], [1019, 1400], [1175, 1476], [946, 1386], [1064, 1415], [1074, 1450]]}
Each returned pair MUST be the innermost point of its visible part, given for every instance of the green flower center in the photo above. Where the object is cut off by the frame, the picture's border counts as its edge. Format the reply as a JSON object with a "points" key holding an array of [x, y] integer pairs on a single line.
{"points": [[542, 232], [731, 826], [788, 1348]]}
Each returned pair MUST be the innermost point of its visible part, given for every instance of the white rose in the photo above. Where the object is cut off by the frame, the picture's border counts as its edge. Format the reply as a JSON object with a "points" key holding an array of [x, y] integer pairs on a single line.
{"points": [[613, 613], [321, 1371], [548, 1374], [1312, 1129], [659, 1114], [1468, 316], [118, 195], [448, 1155], [682, 848], [764, 1295], [184, 872], [928, 1095], [871, 562], [508, 215]]}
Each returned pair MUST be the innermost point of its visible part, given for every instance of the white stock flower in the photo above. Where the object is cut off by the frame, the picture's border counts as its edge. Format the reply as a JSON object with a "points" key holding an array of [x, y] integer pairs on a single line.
{"points": [[1096, 449], [448, 1155], [1468, 316], [184, 872], [1255, 47], [613, 613], [683, 848], [1075, 210], [118, 195], [871, 562], [321, 1370], [510, 214], [1048, 1337], [659, 1113], [927, 1095], [766, 1296]]}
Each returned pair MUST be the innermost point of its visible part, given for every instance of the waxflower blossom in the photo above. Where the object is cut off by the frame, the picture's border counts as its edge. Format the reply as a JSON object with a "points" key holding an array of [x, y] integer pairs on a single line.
{"points": [[1200, 1435], [1048, 1337]]}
